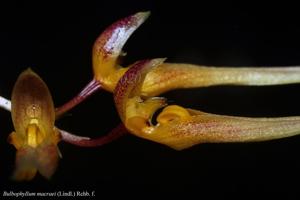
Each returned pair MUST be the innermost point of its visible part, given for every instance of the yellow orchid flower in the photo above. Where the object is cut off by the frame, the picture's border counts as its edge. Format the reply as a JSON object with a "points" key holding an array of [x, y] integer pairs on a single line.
{"points": [[35, 136], [169, 76], [181, 128], [107, 70]]}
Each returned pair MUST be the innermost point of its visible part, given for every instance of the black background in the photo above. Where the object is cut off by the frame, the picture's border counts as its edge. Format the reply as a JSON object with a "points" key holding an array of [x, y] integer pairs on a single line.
{"points": [[56, 39]]}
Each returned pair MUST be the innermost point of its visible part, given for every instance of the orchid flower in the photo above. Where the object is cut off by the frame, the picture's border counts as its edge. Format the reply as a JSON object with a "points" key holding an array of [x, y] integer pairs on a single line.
{"points": [[180, 127], [134, 88], [35, 136], [107, 70]]}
